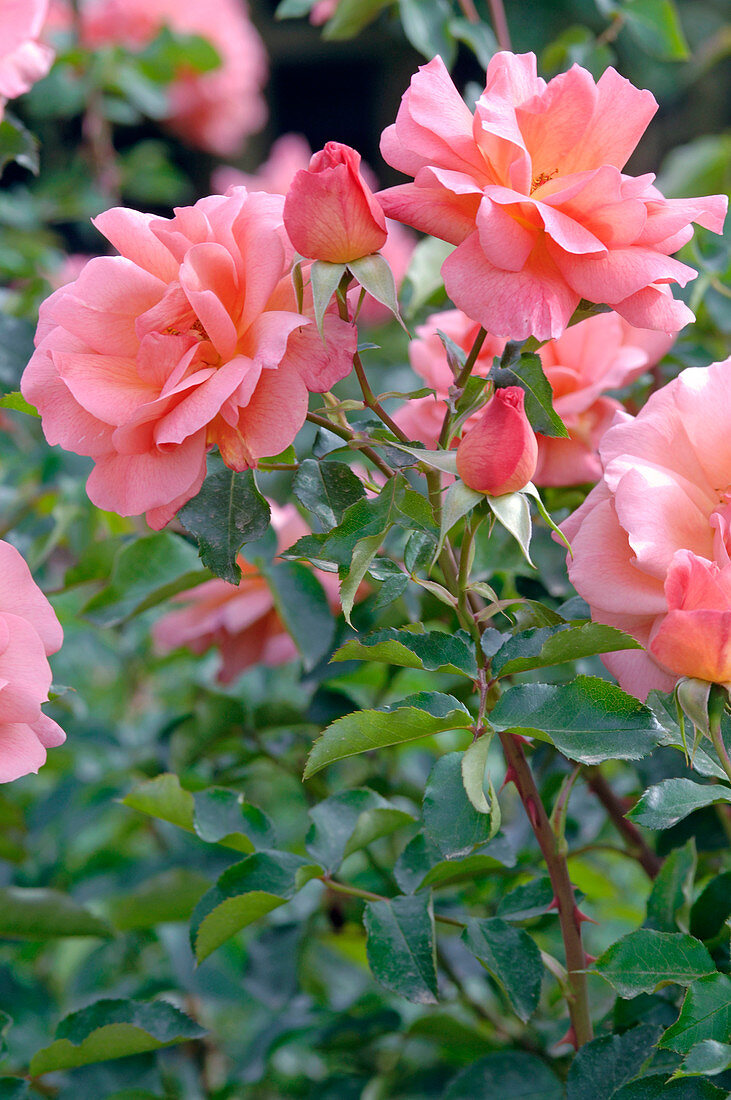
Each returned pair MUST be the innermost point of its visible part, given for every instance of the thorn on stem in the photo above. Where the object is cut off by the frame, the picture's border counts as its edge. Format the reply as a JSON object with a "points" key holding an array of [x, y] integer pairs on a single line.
{"points": [[569, 1039], [511, 776], [580, 918]]}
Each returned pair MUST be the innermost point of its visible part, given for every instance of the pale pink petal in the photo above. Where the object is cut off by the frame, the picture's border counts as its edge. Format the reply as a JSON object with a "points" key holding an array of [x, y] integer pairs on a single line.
{"points": [[25, 670], [131, 484], [653, 309], [19, 595], [621, 115], [321, 361], [275, 413], [21, 751], [129, 231], [48, 732]]}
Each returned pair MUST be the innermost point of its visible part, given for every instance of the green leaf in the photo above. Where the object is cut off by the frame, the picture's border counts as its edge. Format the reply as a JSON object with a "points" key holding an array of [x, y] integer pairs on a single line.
{"points": [[164, 798], [478, 37], [216, 815], [421, 864], [706, 1014], [401, 948], [351, 16], [363, 554], [113, 1029], [228, 511], [656, 27], [712, 908], [656, 1086], [168, 897], [375, 276], [605, 1064], [708, 1057], [426, 24], [669, 902], [667, 803], [348, 821], [589, 720], [245, 893], [527, 372], [18, 144], [430, 650], [145, 572], [446, 461], [459, 501], [511, 956], [474, 766], [327, 489], [17, 403], [644, 960], [513, 511], [29, 913], [303, 608], [450, 819], [510, 1075], [540, 648], [324, 279], [420, 715], [530, 899], [223, 817]]}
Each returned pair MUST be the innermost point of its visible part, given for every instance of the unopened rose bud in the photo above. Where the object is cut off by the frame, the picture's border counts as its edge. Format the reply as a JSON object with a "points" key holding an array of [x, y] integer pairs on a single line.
{"points": [[330, 212], [499, 454]]}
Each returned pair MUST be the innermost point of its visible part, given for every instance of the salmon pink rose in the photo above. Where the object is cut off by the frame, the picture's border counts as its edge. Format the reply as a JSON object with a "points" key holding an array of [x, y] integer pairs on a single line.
{"points": [[240, 621], [23, 59], [189, 339], [651, 543], [498, 455], [330, 212], [530, 189], [214, 110], [29, 633], [291, 153]]}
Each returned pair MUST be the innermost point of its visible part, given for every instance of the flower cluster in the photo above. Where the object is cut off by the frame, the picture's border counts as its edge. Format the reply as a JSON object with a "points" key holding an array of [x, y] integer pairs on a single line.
{"points": [[29, 633]]}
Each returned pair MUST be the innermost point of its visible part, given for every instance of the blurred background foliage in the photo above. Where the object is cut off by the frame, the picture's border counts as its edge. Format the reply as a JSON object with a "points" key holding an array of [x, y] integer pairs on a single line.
{"points": [[289, 1006]]}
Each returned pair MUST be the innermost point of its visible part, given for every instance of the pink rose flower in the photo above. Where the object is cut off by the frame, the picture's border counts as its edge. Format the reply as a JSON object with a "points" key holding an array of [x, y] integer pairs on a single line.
{"points": [[291, 153], [531, 190], [23, 59], [189, 338], [214, 110], [599, 354], [29, 632], [651, 542], [330, 212], [498, 455], [242, 621]]}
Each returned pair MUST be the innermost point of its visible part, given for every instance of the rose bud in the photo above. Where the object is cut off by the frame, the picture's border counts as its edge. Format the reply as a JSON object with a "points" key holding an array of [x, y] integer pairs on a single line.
{"points": [[330, 212], [499, 454]]}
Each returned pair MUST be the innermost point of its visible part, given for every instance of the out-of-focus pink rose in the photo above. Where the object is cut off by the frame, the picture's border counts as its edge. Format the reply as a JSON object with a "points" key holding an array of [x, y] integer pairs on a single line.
{"points": [[189, 339], [29, 633], [498, 455], [23, 59], [240, 621], [651, 542], [531, 190], [291, 153], [214, 110], [599, 354], [330, 212]]}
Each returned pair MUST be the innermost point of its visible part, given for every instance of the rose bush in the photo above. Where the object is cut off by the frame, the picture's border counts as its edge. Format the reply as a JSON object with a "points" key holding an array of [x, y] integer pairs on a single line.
{"points": [[189, 338], [530, 188], [651, 542]]}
